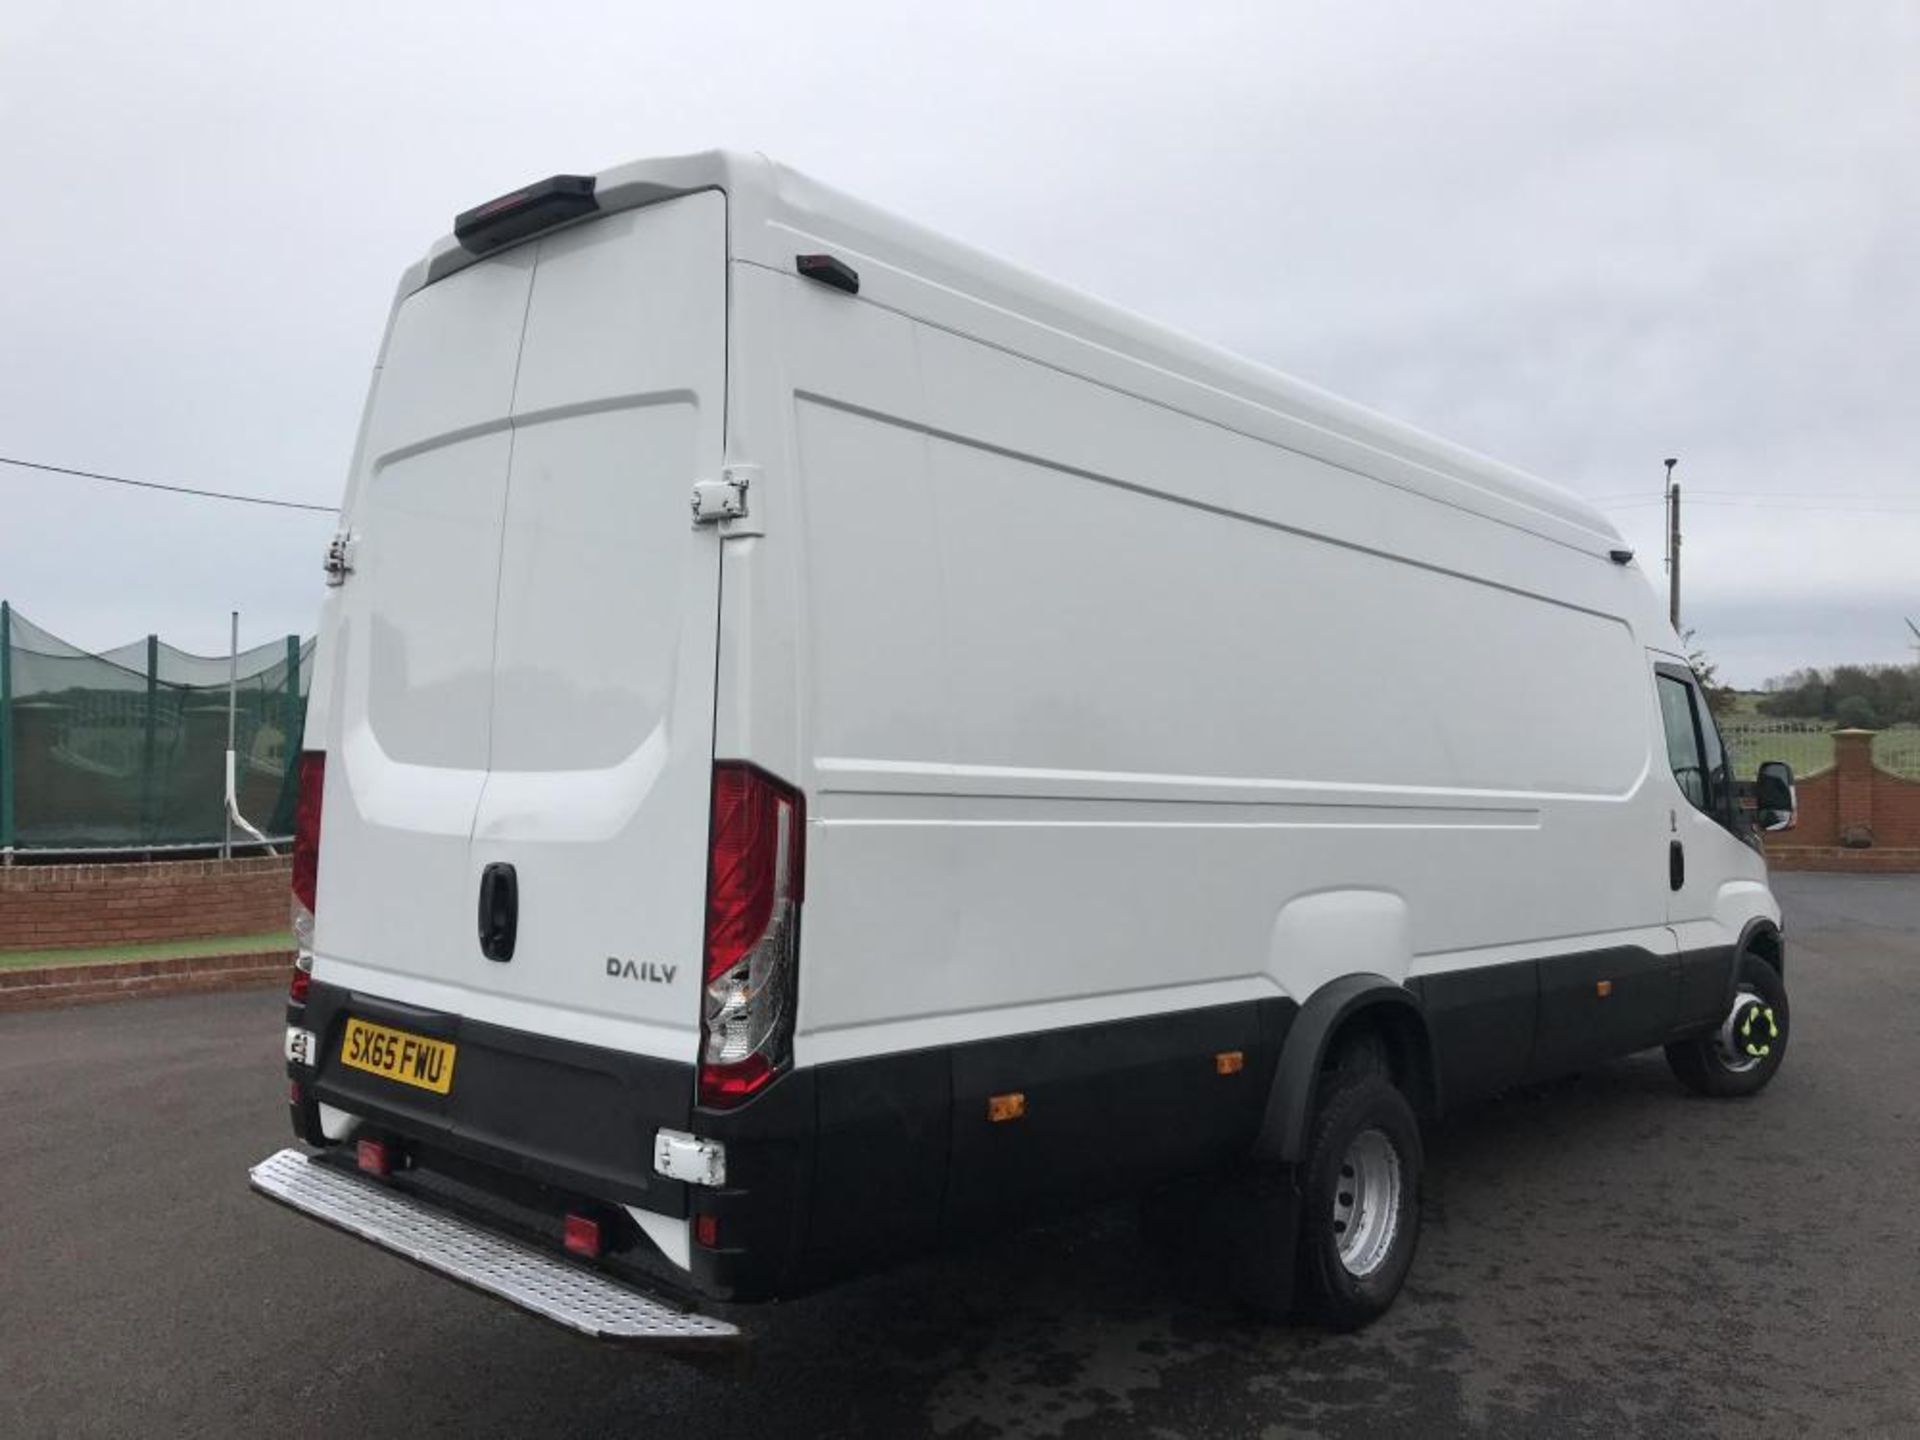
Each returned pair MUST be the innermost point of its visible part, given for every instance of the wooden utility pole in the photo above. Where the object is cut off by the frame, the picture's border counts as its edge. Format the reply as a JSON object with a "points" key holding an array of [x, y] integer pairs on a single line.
{"points": [[1673, 546]]}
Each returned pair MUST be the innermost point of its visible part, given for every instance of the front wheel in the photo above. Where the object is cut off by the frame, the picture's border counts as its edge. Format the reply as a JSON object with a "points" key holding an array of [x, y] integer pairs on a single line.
{"points": [[1360, 1202], [1742, 1055]]}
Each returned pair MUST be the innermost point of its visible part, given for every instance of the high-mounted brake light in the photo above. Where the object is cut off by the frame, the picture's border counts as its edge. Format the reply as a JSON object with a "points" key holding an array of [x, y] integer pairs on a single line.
{"points": [[306, 847], [540, 206], [755, 869]]}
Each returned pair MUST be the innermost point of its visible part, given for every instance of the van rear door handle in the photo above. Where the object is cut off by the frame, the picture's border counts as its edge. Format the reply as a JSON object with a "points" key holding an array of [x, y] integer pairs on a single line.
{"points": [[499, 911], [1676, 865]]}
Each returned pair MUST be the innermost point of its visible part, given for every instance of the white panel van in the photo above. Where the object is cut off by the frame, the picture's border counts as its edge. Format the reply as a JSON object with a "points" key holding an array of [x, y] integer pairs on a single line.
{"points": [[823, 742]]}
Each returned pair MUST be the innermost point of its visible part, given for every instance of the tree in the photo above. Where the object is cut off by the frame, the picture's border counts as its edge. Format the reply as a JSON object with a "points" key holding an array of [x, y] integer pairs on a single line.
{"points": [[1799, 695], [1890, 692], [1720, 698], [1856, 712]]}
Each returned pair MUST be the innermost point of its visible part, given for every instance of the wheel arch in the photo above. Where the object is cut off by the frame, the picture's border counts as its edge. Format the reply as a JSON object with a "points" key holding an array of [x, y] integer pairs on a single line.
{"points": [[1760, 936], [1335, 1014]]}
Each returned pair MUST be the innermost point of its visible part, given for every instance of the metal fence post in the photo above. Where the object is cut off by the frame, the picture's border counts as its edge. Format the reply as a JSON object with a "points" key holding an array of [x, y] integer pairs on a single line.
{"points": [[290, 725], [149, 743], [6, 731], [229, 800], [293, 715]]}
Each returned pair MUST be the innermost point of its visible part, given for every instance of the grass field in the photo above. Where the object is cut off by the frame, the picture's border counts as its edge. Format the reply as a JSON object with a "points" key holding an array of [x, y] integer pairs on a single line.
{"points": [[1807, 745], [1807, 749], [156, 950]]}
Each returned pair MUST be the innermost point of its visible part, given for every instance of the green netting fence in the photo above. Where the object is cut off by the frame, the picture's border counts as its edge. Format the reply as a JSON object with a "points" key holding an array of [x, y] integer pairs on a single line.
{"points": [[126, 749]]}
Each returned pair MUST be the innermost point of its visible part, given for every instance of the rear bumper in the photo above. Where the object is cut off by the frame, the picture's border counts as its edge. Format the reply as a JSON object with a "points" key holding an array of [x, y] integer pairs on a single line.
{"points": [[577, 1117], [534, 1127], [411, 1226]]}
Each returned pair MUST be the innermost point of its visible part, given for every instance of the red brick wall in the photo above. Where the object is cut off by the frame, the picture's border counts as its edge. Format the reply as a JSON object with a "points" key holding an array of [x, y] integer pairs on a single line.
{"points": [[46, 907], [1896, 810], [1855, 795], [1817, 821]]}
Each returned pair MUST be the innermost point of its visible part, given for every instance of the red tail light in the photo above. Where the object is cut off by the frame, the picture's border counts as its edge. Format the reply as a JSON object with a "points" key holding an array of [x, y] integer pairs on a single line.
{"points": [[306, 845], [755, 868]]}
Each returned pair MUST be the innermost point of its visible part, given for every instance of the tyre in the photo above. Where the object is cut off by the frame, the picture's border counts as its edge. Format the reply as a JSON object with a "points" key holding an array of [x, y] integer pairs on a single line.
{"points": [[1360, 1201], [1745, 1052]]}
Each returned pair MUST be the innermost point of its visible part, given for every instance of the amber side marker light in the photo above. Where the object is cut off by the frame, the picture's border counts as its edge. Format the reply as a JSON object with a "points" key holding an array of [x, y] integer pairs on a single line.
{"points": [[1006, 1107], [1229, 1062], [1603, 988]]}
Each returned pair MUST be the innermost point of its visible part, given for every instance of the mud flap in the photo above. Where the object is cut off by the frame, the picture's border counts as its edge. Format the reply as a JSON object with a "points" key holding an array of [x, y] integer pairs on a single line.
{"points": [[1261, 1223]]}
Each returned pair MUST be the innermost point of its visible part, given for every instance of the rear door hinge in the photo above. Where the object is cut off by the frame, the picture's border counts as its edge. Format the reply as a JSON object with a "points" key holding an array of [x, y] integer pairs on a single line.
{"points": [[724, 501], [339, 561]]}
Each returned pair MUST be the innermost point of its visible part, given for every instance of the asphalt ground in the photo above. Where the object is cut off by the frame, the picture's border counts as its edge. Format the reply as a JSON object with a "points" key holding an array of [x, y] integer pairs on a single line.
{"points": [[1609, 1256]]}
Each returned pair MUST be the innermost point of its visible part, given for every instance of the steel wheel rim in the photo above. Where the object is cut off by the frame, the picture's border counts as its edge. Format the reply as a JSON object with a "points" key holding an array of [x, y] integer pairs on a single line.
{"points": [[1366, 1203], [1751, 1030]]}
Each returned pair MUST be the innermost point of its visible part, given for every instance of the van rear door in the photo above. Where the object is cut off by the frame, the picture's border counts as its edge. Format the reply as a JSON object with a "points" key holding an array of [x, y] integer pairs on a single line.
{"points": [[601, 756], [528, 641]]}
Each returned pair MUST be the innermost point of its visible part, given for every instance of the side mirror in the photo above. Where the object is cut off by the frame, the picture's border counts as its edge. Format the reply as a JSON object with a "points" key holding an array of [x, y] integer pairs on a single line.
{"points": [[1774, 799]]}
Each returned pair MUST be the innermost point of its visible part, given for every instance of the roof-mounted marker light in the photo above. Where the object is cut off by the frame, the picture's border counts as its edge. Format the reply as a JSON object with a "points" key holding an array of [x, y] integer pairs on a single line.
{"points": [[829, 271], [539, 206]]}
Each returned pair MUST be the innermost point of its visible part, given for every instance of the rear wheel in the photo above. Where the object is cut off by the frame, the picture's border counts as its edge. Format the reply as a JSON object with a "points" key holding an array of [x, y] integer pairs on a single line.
{"points": [[1744, 1053], [1360, 1201]]}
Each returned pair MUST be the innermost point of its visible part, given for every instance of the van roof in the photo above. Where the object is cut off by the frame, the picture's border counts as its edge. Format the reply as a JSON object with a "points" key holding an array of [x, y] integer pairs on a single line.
{"points": [[776, 211]]}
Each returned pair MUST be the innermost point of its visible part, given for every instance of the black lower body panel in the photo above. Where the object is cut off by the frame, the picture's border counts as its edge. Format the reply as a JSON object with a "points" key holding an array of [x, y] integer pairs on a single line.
{"points": [[833, 1169]]}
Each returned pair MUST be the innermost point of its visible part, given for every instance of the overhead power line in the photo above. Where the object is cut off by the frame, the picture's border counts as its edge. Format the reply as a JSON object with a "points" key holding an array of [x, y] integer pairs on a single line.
{"points": [[171, 489], [1758, 503], [1765, 503], [1822, 495]]}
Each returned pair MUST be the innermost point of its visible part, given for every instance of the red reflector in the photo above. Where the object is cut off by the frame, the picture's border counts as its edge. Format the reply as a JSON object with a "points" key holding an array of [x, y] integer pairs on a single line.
{"points": [[297, 990], [372, 1158], [582, 1236], [306, 826], [706, 1231], [293, 1093]]}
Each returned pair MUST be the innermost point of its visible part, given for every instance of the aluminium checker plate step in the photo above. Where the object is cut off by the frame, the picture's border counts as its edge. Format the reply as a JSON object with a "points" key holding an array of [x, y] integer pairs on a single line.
{"points": [[559, 1290]]}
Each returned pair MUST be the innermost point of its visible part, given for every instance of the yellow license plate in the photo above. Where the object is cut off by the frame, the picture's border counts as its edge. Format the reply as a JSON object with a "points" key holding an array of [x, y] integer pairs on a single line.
{"points": [[396, 1055]]}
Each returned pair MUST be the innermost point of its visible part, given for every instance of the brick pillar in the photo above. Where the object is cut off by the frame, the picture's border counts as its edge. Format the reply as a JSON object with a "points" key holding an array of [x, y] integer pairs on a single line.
{"points": [[1853, 775]]}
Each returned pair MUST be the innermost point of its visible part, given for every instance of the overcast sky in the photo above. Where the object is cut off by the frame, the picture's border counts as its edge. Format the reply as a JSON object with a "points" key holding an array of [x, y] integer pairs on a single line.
{"points": [[1577, 237]]}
